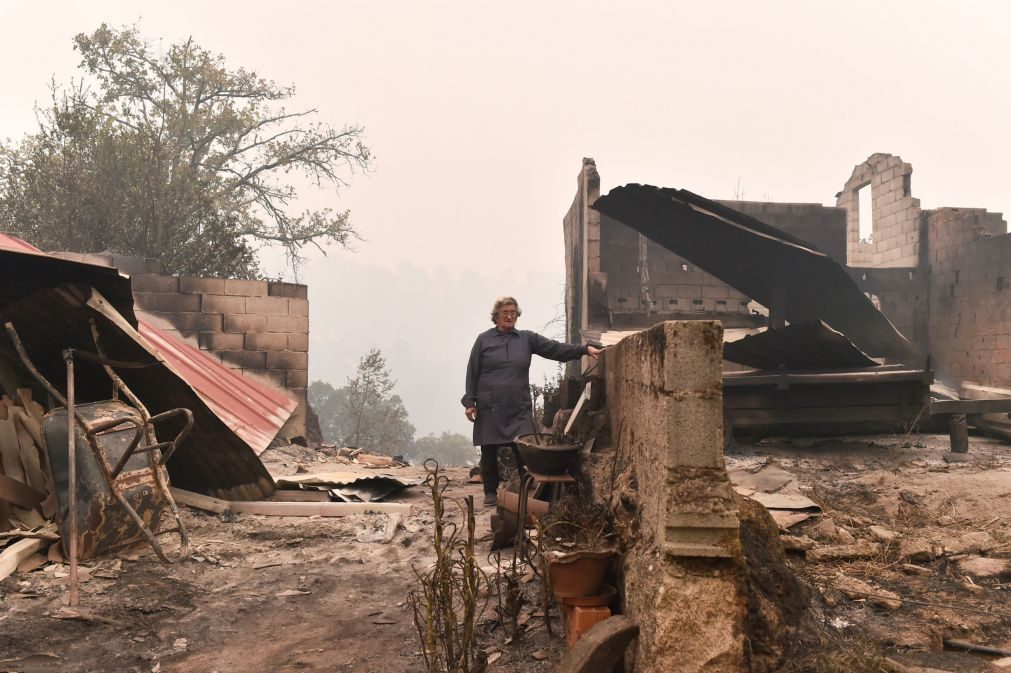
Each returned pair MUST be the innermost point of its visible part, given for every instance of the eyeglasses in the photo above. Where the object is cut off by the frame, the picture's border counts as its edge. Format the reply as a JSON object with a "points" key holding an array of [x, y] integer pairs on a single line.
{"points": [[508, 314]]}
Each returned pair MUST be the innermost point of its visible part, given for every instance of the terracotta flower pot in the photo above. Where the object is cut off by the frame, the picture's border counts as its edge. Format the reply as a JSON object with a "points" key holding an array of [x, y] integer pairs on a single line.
{"points": [[604, 597], [578, 574], [511, 503]]}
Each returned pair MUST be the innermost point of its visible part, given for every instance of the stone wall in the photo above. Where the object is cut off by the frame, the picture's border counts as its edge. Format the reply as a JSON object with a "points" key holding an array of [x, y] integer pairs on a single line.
{"points": [[257, 327], [895, 214], [681, 567], [970, 296], [943, 276]]}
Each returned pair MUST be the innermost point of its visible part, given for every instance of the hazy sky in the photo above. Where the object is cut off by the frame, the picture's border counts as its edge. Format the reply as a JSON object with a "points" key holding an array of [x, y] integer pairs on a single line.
{"points": [[479, 114]]}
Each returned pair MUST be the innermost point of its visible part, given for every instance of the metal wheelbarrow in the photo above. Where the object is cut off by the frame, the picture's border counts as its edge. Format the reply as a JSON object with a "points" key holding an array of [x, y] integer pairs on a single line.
{"points": [[110, 482]]}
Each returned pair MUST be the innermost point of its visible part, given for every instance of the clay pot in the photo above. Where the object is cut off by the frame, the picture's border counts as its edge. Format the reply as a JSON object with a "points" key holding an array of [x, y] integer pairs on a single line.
{"points": [[578, 574], [606, 595], [510, 502]]}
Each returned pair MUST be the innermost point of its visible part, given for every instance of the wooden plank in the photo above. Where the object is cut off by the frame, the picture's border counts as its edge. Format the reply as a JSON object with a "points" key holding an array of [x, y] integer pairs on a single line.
{"points": [[753, 417], [317, 508], [732, 379], [995, 406], [30, 450], [14, 492], [199, 501], [16, 553], [10, 451], [913, 394], [291, 495], [267, 508]]}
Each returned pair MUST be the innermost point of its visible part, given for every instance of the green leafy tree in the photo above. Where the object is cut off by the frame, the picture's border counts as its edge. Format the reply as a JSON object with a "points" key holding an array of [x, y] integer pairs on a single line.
{"points": [[365, 413], [327, 402], [373, 417], [169, 153], [449, 448]]}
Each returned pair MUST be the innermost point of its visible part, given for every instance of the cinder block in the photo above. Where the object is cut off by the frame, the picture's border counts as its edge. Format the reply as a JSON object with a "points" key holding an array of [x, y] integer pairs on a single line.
{"points": [[193, 322], [220, 341], [297, 379], [146, 300], [129, 264], [245, 359], [277, 378], [287, 360], [289, 290], [267, 305], [298, 342], [266, 341], [246, 288], [688, 291], [195, 285], [96, 259], [286, 323], [177, 303], [150, 282], [216, 303], [245, 323]]}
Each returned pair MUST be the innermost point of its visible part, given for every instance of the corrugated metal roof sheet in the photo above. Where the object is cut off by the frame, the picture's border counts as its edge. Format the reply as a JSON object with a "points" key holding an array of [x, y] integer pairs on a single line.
{"points": [[252, 411], [757, 259], [241, 416], [812, 345]]}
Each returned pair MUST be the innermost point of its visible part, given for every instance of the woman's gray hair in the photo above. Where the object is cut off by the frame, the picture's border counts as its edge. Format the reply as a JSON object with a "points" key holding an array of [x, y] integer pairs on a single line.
{"points": [[500, 303]]}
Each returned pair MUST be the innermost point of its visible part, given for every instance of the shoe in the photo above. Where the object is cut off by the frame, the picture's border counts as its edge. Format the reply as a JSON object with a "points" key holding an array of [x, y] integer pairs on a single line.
{"points": [[490, 499]]}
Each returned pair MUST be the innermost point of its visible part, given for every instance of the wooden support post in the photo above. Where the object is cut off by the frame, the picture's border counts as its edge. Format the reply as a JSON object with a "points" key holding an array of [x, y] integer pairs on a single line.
{"points": [[958, 429]]}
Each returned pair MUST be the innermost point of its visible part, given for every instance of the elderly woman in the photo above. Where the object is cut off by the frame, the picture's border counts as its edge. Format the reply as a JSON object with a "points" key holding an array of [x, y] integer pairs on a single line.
{"points": [[497, 400]]}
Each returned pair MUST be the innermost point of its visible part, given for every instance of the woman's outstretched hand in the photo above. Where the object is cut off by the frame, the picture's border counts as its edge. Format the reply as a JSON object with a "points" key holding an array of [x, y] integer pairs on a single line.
{"points": [[593, 351]]}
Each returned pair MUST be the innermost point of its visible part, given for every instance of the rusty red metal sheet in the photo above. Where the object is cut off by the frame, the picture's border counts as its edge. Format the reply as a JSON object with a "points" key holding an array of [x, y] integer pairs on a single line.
{"points": [[252, 411], [249, 410]]}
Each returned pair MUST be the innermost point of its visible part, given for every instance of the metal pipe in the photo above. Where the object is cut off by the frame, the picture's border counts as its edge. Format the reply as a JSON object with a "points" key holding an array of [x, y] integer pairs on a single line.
{"points": [[68, 357]]}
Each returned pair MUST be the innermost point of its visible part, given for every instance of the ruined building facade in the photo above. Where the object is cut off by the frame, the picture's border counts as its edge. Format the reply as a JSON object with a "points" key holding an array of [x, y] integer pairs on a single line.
{"points": [[941, 276]]}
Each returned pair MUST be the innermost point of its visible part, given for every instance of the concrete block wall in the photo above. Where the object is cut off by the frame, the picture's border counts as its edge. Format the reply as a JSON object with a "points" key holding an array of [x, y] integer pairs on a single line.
{"points": [[579, 263], [896, 217], [970, 294], [256, 327], [903, 295], [682, 569], [671, 285]]}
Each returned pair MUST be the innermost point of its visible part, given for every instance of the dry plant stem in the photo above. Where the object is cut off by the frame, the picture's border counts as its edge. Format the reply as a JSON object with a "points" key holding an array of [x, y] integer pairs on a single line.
{"points": [[545, 578], [445, 604]]}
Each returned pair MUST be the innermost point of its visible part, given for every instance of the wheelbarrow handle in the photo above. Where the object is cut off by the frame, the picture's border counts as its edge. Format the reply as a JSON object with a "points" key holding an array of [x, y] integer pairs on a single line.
{"points": [[181, 437]]}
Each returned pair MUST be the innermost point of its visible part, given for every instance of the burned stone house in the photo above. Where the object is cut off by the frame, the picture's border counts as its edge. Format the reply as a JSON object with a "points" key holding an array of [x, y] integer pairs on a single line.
{"points": [[941, 276]]}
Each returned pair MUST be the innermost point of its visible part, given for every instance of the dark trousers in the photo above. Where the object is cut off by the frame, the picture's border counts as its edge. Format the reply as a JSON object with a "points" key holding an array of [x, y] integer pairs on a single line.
{"points": [[489, 465]]}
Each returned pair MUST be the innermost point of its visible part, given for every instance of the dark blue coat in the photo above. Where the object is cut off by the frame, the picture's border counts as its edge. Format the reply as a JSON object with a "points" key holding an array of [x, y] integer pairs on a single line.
{"points": [[498, 381]]}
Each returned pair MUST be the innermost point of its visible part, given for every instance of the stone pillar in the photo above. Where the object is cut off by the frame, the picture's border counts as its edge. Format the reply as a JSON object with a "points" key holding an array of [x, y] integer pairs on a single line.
{"points": [[682, 570]]}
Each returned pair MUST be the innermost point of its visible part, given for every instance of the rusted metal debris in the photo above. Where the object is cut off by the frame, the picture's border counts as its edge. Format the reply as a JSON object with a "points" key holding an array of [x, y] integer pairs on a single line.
{"points": [[51, 301], [107, 465]]}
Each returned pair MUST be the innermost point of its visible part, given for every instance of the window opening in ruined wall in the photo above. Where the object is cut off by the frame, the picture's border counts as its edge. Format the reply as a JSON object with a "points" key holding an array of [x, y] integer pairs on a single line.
{"points": [[865, 213]]}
